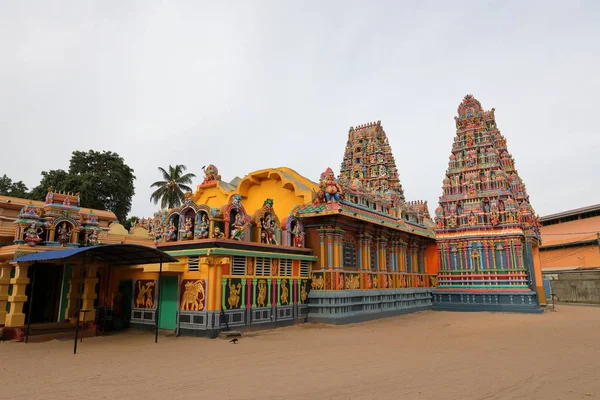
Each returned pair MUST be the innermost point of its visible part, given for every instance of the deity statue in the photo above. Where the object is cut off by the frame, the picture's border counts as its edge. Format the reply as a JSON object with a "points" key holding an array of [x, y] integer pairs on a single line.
{"points": [[234, 294], [268, 230], [217, 234], [328, 184], [211, 173], [32, 234], [237, 233], [50, 195], [64, 234], [298, 236], [67, 201], [204, 226], [473, 219], [92, 239], [171, 234], [188, 229]]}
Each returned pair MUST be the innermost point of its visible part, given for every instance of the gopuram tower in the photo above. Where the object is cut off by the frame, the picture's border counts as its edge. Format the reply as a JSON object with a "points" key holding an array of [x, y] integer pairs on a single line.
{"points": [[487, 232]]}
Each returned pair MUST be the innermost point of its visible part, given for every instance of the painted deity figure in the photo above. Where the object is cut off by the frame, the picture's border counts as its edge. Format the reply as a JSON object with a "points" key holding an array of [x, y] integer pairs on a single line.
{"points": [[237, 232], [64, 234], [171, 234], [234, 294], [32, 234], [204, 225], [298, 236], [188, 229], [217, 234], [268, 230], [333, 191], [93, 237]]}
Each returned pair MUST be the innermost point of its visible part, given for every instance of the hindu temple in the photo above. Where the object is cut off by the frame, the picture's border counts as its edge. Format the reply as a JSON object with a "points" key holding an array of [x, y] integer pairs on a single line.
{"points": [[274, 248], [487, 232]]}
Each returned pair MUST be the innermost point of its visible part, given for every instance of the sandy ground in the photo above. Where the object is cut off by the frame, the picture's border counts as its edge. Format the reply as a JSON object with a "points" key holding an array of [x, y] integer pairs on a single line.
{"points": [[429, 355]]}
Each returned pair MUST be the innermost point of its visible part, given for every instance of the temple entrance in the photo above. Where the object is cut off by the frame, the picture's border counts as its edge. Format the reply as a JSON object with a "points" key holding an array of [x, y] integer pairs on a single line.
{"points": [[46, 293], [167, 317]]}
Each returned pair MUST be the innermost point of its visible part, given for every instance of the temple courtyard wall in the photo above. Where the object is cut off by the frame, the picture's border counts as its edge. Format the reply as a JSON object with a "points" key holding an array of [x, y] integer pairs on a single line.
{"points": [[423, 356], [576, 286]]}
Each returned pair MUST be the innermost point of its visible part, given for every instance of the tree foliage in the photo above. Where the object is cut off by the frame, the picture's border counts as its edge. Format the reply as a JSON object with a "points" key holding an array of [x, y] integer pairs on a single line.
{"points": [[103, 180], [13, 189], [171, 189]]}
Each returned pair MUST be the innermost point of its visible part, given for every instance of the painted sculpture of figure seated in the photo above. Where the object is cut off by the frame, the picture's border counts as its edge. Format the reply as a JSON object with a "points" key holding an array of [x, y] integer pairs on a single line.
{"points": [[333, 191], [218, 234], [237, 232], [188, 229], [93, 237], [32, 234], [64, 234], [268, 230], [204, 225], [171, 234]]}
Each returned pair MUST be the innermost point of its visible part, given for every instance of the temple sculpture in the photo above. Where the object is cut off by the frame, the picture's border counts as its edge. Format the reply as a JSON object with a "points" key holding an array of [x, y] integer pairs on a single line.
{"points": [[487, 232]]}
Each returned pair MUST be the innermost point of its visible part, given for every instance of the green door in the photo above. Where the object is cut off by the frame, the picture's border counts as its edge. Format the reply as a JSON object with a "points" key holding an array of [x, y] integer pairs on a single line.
{"points": [[167, 316]]}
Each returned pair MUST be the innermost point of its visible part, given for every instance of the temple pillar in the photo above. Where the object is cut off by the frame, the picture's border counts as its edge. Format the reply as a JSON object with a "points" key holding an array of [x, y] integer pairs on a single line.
{"points": [[89, 294], [17, 299], [5, 269], [537, 269], [322, 247], [51, 234], [215, 279], [73, 295], [330, 255]]}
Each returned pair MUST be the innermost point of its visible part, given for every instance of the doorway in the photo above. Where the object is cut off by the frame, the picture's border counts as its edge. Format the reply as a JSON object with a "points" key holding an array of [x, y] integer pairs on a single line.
{"points": [[46, 293], [122, 304], [167, 316]]}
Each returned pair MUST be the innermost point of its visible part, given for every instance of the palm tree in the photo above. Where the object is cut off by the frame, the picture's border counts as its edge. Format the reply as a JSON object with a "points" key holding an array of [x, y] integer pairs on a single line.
{"points": [[170, 191]]}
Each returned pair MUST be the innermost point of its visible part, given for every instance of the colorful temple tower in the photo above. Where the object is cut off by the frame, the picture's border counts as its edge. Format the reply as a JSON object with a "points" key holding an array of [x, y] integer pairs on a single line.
{"points": [[376, 252], [487, 232]]}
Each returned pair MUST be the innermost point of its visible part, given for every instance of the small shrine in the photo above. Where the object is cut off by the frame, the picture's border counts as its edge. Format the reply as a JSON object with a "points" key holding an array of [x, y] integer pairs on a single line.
{"points": [[59, 222]]}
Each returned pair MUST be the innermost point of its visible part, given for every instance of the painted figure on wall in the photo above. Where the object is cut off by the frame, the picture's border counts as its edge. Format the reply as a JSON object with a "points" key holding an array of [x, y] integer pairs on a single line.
{"points": [[238, 228], [261, 297], [144, 297], [93, 237], [171, 234], [203, 226], [234, 294], [64, 234], [284, 298], [268, 230], [32, 234], [297, 235], [217, 234], [193, 294], [188, 229]]}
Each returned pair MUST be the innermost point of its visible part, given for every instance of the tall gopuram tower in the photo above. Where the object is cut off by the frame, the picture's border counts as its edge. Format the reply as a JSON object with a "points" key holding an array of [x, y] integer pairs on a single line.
{"points": [[487, 232], [368, 160]]}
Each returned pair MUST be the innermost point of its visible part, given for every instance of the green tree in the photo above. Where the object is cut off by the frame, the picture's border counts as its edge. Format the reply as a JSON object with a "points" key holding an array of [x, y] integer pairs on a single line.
{"points": [[171, 189], [13, 189], [58, 179], [103, 180], [129, 222]]}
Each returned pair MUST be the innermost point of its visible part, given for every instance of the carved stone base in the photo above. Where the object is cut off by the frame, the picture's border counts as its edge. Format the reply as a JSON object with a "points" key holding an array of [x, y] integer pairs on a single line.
{"points": [[523, 302]]}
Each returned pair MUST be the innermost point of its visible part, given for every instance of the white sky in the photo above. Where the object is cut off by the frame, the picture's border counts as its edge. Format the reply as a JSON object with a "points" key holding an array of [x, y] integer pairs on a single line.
{"points": [[247, 85]]}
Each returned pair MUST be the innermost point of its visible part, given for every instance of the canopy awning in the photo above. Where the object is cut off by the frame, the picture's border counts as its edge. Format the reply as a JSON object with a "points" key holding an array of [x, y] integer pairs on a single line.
{"points": [[116, 254]]}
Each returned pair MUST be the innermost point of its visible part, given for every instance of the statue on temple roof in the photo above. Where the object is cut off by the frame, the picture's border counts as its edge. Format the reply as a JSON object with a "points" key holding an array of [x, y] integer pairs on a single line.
{"points": [[211, 173]]}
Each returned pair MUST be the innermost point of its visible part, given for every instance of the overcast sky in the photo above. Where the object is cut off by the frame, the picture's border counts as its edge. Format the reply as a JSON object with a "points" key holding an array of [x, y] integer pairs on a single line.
{"points": [[247, 85]]}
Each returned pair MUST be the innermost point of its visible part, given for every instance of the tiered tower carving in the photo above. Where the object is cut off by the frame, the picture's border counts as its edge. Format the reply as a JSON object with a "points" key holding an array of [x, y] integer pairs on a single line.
{"points": [[487, 231], [368, 160]]}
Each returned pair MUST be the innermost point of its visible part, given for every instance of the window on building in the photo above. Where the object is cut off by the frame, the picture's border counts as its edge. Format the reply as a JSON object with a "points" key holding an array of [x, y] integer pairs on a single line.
{"points": [[349, 255], [262, 266], [193, 263], [304, 268], [285, 267], [238, 265]]}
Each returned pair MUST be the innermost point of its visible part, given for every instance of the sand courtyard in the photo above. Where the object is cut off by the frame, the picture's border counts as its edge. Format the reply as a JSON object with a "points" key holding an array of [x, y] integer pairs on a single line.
{"points": [[428, 355]]}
